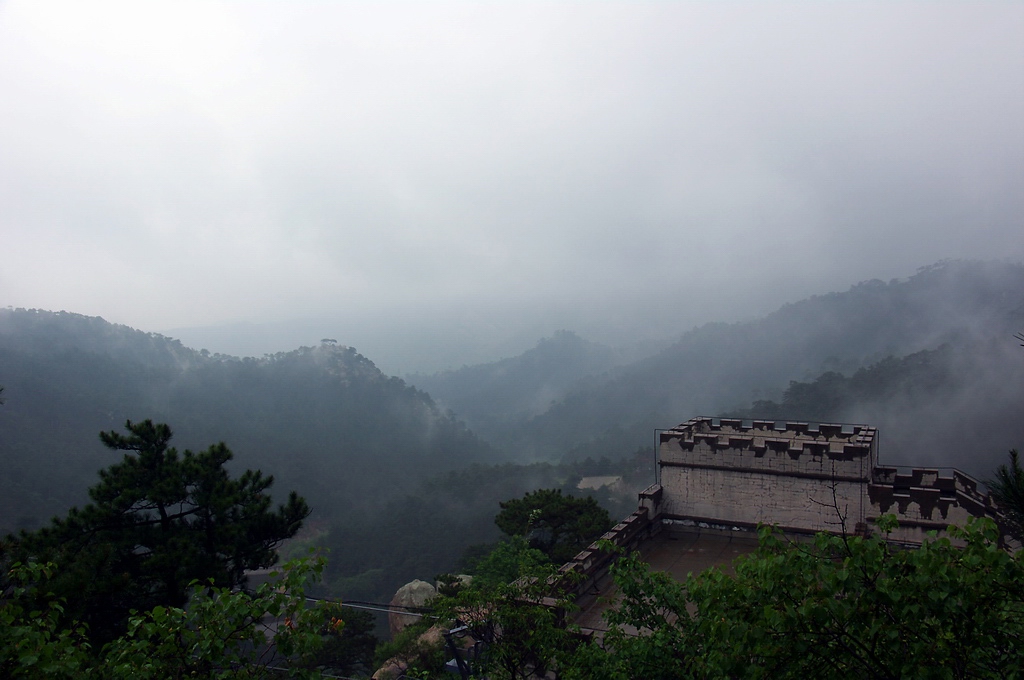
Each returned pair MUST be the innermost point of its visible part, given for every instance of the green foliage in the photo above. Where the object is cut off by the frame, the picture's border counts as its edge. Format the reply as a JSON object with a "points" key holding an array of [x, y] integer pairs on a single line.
{"points": [[460, 504], [157, 522], [33, 643], [348, 644], [449, 585], [225, 633], [221, 633], [521, 623], [321, 419], [421, 654], [558, 525], [1008, 489], [508, 561], [841, 607], [510, 607], [515, 609]]}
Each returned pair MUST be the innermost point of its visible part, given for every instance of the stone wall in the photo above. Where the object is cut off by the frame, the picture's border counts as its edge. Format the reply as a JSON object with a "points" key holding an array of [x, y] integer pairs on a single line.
{"points": [[591, 564], [926, 500], [803, 478], [746, 473]]}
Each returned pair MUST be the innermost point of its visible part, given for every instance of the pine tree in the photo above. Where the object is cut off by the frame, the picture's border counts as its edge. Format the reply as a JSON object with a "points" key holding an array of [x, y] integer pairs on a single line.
{"points": [[158, 520], [1008, 490]]}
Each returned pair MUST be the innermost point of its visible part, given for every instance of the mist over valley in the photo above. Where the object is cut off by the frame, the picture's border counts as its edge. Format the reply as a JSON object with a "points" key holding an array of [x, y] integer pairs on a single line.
{"points": [[416, 261], [931, 360]]}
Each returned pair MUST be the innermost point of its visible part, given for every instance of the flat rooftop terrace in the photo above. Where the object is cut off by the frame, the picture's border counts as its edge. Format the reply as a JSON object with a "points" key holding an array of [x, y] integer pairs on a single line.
{"points": [[677, 551]]}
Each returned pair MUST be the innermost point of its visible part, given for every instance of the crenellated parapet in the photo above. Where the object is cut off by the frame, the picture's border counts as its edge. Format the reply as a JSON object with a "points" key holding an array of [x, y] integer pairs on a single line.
{"points": [[591, 564], [749, 472], [803, 477], [927, 499], [835, 441]]}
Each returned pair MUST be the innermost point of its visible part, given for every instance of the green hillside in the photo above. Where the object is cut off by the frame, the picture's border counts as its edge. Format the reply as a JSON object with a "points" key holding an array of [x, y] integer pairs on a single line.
{"points": [[400, 487], [321, 419]]}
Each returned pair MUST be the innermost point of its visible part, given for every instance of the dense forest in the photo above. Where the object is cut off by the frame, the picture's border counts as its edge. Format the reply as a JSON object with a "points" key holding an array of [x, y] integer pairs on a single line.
{"points": [[405, 479]]}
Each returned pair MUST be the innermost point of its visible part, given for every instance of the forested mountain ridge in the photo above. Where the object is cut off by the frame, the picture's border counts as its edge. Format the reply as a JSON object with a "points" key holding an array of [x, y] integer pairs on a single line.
{"points": [[930, 360], [41, 332], [322, 419], [915, 377], [495, 395], [955, 406], [972, 307]]}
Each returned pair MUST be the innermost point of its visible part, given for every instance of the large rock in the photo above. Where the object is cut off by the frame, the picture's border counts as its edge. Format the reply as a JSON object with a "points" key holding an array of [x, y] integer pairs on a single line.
{"points": [[413, 594], [396, 666]]}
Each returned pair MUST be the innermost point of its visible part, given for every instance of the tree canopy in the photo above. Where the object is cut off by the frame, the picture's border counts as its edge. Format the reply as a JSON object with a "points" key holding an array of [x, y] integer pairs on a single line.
{"points": [[158, 521], [832, 607], [507, 608], [557, 524], [224, 633], [841, 607], [1007, 487]]}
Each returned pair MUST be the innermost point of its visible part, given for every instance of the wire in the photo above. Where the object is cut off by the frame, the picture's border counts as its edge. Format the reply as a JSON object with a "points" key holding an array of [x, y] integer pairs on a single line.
{"points": [[322, 674], [376, 606]]}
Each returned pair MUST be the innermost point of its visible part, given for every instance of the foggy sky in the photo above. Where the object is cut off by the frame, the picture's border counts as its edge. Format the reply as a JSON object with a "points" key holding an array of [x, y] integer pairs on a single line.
{"points": [[442, 174]]}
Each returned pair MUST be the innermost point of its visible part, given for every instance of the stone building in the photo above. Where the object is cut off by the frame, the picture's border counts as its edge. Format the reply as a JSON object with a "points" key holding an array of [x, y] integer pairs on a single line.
{"points": [[804, 478], [718, 479]]}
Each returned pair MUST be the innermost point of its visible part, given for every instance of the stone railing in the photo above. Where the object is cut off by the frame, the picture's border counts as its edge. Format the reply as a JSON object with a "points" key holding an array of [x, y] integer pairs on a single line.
{"points": [[580, 575]]}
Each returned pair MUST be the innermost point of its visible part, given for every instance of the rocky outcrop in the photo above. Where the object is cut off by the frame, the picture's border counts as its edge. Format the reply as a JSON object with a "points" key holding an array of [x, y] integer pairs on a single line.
{"points": [[413, 594], [396, 666]]}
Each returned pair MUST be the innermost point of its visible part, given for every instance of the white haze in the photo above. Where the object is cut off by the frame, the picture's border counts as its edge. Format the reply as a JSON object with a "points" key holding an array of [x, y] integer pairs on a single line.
{"points": [[443, 183]]}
